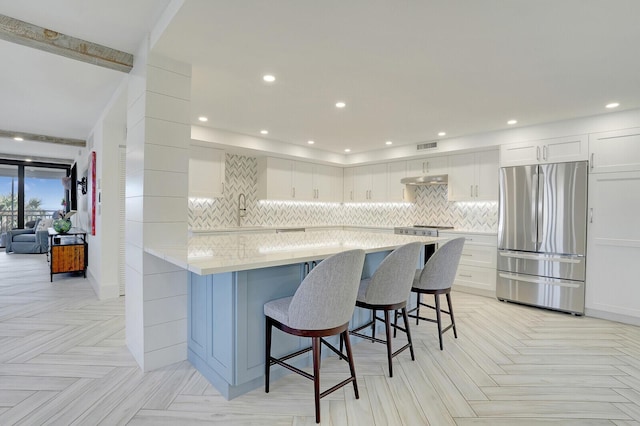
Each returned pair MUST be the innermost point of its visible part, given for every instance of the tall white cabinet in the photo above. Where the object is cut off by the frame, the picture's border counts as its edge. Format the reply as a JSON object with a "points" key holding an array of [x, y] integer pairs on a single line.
{"points": [[613, 237]]}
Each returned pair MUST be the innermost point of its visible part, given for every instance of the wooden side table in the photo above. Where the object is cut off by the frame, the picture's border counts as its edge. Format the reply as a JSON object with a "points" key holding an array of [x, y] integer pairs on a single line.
{"points": [[68, 251]]}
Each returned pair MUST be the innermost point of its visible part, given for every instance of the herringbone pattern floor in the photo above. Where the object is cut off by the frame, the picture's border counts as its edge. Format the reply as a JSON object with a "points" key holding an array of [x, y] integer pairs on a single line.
{"points": [[63, 361]]}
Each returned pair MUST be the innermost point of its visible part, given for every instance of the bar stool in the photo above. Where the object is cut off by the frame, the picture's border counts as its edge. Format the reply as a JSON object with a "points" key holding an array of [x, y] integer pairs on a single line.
{"points": [[388, 290], [322, 306], [436, 278]]}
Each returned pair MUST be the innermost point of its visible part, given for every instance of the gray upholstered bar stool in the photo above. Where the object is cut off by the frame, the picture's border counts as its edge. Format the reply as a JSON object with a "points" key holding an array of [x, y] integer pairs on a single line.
{"points": [[388, 290], [436, 278], [322, 306]]}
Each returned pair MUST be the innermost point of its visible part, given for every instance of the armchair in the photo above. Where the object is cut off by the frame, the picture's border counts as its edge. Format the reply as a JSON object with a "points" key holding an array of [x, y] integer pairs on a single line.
{"points": [[28, 240]]}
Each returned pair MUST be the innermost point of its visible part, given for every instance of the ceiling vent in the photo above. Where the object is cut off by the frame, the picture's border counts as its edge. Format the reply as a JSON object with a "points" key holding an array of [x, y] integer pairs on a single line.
{"points": [[427, 145]]}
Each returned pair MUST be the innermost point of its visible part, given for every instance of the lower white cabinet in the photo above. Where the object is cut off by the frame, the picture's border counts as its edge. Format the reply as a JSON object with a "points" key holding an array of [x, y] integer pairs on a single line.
{"points": [[612, 287], [477, 269]]}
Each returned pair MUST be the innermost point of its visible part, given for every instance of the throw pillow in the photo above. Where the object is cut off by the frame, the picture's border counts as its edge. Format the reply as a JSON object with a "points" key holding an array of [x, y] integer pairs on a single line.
{"points": [[44, 224]]}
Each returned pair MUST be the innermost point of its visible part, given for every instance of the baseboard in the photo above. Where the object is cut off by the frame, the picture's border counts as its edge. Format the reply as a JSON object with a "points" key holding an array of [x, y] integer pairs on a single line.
{"points": [[625, 319]]}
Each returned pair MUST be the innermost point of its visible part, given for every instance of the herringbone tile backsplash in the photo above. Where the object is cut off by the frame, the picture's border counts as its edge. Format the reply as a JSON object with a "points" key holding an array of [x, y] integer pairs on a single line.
{"points": [[431, 207]]}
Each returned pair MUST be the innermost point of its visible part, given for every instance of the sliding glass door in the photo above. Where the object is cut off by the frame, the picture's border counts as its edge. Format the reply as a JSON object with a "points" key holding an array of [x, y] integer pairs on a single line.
{"points": [[8, 197]]}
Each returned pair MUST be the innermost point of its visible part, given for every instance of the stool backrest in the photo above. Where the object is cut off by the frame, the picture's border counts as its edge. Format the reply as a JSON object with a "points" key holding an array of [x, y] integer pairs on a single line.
{"points": [[326, 298], [391, 283], [440, 270]]}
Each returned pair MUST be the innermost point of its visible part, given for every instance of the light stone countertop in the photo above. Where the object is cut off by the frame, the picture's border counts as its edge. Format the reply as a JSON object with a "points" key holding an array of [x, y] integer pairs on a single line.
{"points": [[212, 254]]}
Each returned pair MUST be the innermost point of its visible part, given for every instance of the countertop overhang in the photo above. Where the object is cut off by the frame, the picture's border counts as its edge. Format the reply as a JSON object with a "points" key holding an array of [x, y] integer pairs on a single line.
{"points": [[213, 254]]}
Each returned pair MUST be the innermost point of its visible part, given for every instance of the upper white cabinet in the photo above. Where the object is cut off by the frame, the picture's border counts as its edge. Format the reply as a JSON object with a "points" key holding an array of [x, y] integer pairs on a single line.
{"points": [[370, 183], [281, 179], [428, 166], [348, 188], [616, 151], [473, 176], [557, 150], [206, 171], [396, 191]]}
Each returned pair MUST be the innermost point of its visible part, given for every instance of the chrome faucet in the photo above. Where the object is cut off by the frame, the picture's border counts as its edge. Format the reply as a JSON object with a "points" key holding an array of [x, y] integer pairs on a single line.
{"points": [[242, 207]]}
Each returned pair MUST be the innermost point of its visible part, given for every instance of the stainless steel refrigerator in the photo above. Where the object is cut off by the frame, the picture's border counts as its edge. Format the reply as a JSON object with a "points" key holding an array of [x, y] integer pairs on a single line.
{"points": [[542, 235]]}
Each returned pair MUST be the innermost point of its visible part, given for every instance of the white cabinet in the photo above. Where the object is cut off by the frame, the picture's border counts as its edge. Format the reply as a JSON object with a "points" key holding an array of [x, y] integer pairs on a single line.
{"points": [[281, 179], [616, 151], [428, 166], [348, 187], [613, 246], [370, 183], [206, 171], [477, 269], [396, 191], [556, 150], [327, 183], [473, 176]]}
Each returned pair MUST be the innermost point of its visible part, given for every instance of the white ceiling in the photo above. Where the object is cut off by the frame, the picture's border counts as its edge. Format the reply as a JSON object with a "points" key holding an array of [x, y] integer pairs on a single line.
{"points": [[406, 69]]}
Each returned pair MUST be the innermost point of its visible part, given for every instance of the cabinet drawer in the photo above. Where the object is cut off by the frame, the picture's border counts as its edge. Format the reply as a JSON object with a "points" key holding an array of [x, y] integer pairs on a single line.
{"points": [[67, 258], [475, 277], [478, 255]]}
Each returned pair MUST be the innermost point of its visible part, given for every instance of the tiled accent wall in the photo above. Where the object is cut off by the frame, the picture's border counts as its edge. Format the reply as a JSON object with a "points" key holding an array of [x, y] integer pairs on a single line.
{"points": [[431, 207]]}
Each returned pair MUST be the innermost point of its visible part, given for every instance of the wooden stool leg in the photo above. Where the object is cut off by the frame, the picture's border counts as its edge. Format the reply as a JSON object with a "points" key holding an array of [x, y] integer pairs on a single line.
{"points": [[373, 325], [315, 343], [453, 321], [438, 318], [406, 325], [267, 358], [352, 368], [387, 327], [417, 308]]}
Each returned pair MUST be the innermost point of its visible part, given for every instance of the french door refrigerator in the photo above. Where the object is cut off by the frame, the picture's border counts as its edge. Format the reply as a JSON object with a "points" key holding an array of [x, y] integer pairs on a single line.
{"points": [[542, 230]]}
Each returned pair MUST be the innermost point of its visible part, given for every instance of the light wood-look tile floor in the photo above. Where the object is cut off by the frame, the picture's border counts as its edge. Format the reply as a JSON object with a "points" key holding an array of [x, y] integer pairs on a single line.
{"points": [[63, 361]]}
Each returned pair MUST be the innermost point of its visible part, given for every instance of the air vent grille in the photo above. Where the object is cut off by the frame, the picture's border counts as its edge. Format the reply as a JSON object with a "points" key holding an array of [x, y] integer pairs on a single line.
{"points": [[427, 145]]}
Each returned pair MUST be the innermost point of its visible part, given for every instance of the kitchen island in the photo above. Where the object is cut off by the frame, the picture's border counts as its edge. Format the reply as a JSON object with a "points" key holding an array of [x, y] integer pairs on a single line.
{"points": [[231, 277]]}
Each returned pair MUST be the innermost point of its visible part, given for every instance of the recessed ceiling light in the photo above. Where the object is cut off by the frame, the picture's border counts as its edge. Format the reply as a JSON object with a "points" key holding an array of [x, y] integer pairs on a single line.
{"points": [[347, 150], [388, 143], [28, 160], [18, 138], [310, 142], [442, 134], [264, 132], [512, 122], [203, 118], [268, 78], [613, 105], [340, 104]]}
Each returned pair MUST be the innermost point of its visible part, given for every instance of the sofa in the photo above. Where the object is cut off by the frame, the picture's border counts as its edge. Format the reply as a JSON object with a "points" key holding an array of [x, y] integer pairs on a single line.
{"points": [[29, 240]]}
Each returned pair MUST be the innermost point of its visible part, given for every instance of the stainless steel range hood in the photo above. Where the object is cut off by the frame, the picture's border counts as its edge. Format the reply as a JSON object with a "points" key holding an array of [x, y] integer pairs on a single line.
{"points": [[426, 180]]}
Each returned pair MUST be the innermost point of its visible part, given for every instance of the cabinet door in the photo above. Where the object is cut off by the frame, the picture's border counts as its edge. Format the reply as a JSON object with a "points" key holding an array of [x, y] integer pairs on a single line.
{"points": [[206, 172], [396, 191], [562, 150], [462, 177], [361, 183], [520, 154], [428, 166], [326, 185], [378, 187], [348, 188], [613, 246], [486, 169], [302, 181], [278, 176], [617, 151]]}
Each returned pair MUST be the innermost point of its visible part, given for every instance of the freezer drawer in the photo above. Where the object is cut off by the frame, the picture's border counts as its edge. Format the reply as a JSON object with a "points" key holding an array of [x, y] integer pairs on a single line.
{"points": [[567, 267], [561, 295]]}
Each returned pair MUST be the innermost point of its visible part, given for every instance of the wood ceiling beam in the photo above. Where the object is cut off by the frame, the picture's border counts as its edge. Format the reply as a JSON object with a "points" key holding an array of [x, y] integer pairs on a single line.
{"points": [[30, 35], [43, 138]]}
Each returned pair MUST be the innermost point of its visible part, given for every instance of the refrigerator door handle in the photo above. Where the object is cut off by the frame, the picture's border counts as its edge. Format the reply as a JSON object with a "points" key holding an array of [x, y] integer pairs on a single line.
{"points": [[527, 256], [555, 281], [540, 224], [534, 212]]}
